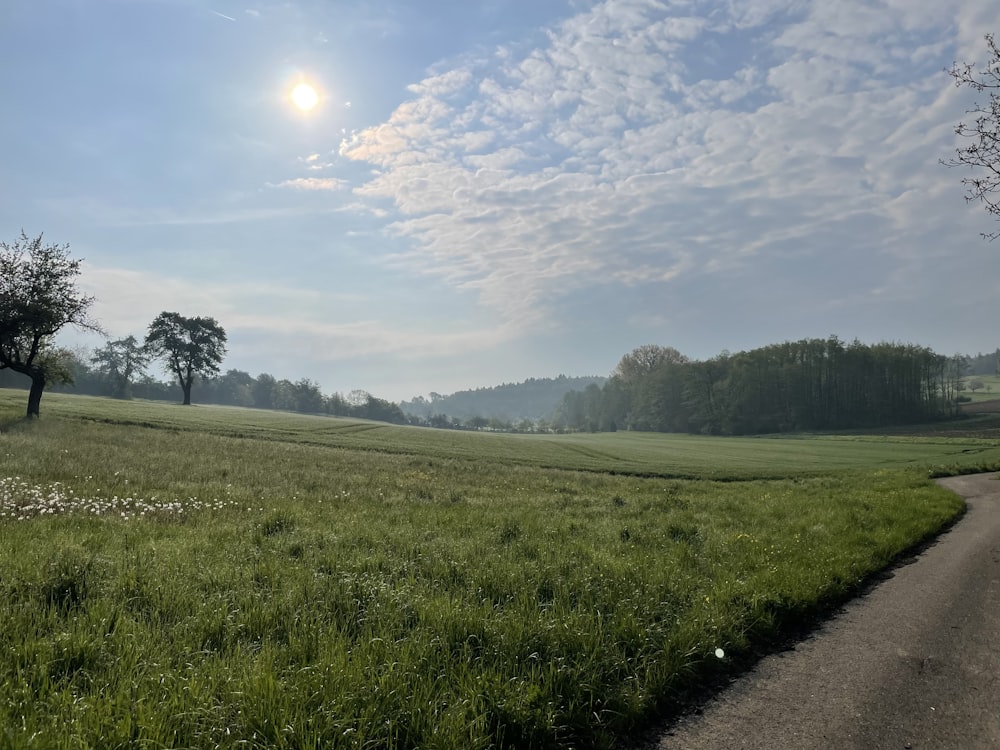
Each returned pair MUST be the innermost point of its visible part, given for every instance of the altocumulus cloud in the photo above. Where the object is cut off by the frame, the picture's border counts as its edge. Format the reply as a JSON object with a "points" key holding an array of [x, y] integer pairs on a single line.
{"points": [[313, 183], [648, 143]]}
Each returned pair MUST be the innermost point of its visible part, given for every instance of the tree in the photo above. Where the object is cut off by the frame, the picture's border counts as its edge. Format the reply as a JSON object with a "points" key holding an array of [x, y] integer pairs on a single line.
{"points": [[188, 346], [645, 359], [236, 388], [38, 298], [477, 423], [982, 155], [119, 361], [358, 397], [262, 391], [308, 397]]}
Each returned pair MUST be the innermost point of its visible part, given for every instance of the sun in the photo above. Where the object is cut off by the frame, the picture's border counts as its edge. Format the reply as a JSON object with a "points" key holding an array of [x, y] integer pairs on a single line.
{"points": [[304, 97]]}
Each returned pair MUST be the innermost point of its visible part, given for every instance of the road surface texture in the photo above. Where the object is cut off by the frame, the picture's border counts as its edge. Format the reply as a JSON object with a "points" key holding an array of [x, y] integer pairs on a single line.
{"points": [[914, 663]]}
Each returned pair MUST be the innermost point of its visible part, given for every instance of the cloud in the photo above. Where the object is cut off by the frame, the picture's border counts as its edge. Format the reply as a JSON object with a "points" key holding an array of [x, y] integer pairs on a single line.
{"points": [[313, 183], [620, 154], [284, 322], [443, 84], [314, 163]]}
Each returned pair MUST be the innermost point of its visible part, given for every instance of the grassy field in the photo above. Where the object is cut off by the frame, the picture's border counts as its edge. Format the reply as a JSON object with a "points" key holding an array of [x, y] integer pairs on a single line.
{"points": [[990, 393], [210, 577], [641, 454]]}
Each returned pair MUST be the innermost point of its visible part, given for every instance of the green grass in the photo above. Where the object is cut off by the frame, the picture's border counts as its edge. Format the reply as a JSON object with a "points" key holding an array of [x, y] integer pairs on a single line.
{"points": [[992, 382], [641, 454], [210, 577]]}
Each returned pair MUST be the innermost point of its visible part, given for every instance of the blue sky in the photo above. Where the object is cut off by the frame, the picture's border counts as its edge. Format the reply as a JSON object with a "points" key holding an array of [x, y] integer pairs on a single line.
{"points": [[491, 191]]}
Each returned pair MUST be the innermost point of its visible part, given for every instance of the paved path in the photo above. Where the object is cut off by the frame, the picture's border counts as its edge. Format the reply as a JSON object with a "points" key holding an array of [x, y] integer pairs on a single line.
{"points": [[914, 663]]}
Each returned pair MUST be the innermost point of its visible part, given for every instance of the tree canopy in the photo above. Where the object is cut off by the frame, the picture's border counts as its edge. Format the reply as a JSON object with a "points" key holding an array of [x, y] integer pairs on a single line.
{"points": [[188, 347], [645, 359], [813, 384], [38, 298], [119, 362], [982, 154]]}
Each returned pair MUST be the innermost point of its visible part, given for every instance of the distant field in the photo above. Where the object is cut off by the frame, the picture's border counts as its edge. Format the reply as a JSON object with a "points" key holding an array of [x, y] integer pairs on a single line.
{"points": [[990, 393], [643, 454], [982, 406], [985, 400], [209, 577]]}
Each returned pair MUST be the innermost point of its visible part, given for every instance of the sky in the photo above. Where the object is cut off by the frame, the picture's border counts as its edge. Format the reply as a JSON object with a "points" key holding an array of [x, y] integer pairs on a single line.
{"points": [[493, 190]]}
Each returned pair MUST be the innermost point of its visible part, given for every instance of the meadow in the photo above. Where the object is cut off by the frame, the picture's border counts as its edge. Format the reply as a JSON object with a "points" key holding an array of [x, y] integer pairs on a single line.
{"points": [[990, 392], [213, 577]]}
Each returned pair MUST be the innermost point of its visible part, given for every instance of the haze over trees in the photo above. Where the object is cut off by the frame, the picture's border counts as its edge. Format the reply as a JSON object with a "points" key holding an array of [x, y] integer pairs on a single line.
{"points": [[777, 387], [983, 364], [189, 347], [534, 399], [813, 384], [808, 385], [119, 362], [982, 154], [38, 298]]}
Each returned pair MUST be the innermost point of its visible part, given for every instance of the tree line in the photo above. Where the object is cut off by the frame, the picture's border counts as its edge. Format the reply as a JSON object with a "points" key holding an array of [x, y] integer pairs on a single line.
{"points": [[39, 297], [501, 406], [113, 371], [812, 384]]}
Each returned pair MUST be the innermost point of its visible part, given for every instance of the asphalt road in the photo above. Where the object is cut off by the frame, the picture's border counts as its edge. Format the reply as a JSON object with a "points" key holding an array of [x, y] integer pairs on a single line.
{"points": [[912, 664]]}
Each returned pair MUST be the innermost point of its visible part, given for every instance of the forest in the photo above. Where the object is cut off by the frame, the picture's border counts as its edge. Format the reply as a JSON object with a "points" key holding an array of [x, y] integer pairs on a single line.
{"points": [[532, 400], [812, 384]]}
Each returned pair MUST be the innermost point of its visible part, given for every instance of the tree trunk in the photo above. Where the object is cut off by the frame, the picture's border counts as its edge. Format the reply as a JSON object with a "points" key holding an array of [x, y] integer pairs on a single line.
{"points": [[186, 387], [35, 394]]}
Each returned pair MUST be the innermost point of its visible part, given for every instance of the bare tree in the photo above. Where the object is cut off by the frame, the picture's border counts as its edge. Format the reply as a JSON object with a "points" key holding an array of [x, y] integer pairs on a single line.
{"points": [[982, 154], [38, 298]]}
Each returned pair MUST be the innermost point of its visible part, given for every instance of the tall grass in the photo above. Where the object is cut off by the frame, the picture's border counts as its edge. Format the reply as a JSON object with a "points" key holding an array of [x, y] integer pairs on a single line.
{"points": [[187, 588]]}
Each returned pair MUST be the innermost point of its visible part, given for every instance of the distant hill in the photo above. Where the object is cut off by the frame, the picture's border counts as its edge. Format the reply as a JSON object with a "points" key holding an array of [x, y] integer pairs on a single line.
{"points": [[534, 399]]}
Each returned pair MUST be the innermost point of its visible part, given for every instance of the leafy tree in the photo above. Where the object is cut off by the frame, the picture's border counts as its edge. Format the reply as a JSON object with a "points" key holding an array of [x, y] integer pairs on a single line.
{"points": [[358, 397], [38, 298], [308, 397], [982, 154], [283, 395], [188, 346], [381, 410], [235, 388], [262, 390], [477, 423], [119, 362], [336, 405], [644, 360]]}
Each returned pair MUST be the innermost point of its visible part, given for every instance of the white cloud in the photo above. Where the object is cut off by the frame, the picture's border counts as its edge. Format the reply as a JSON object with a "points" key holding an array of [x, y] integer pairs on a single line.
{"points": [[308, 324], [605, 157], [443, 84], [313, 183]]}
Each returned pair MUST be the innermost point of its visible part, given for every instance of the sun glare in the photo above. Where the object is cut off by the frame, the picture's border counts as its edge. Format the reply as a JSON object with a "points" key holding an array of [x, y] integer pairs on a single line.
{"points": [[304, 97]]}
